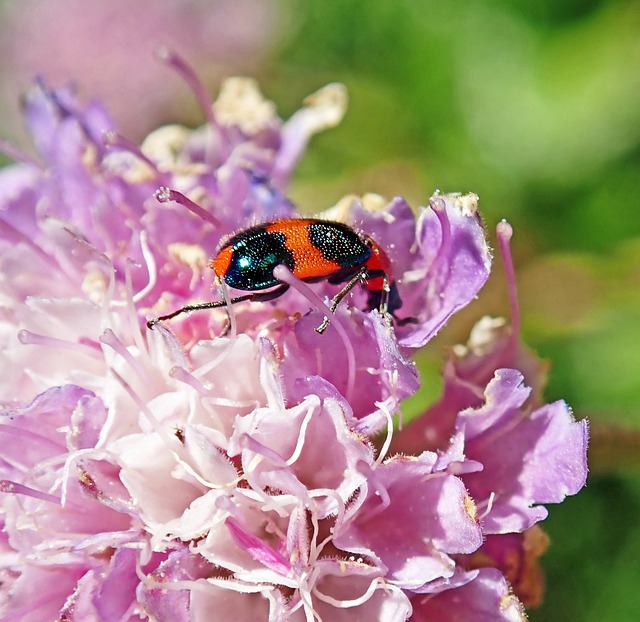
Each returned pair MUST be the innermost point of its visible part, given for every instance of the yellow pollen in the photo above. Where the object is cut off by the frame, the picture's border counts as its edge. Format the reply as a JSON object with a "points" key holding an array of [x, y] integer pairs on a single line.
{"points": [[470, 508]]}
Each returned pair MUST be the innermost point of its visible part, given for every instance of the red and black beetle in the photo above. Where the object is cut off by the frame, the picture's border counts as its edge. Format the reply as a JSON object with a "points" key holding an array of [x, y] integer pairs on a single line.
{"points": [[314, 250]]}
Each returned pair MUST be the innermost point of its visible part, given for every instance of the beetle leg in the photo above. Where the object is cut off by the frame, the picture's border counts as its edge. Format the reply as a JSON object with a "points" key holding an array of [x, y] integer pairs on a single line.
{"points": [[384, 298], [272, 294], [335, 301]]}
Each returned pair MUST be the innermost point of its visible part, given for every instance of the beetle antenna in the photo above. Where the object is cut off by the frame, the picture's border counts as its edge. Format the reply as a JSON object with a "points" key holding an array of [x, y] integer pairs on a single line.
{"points": [[216, 304]]}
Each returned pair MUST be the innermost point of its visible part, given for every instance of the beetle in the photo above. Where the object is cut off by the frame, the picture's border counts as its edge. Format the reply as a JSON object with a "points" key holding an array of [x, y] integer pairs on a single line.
{"points": [[314, 250]]}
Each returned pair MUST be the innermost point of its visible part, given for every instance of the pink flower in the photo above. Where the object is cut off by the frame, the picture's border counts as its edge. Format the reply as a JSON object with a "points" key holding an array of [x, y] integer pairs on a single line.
{"points": [[178, 475], [484, 599]]}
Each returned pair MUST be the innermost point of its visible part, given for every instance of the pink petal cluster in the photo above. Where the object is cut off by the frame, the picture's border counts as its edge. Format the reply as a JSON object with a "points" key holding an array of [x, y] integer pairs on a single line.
{"points": [[177, 475]]}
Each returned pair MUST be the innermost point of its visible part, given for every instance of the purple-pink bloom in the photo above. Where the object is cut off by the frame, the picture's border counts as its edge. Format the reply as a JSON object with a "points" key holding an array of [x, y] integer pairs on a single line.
{"points": [[529, 457], [410, 518], [484, 599], [308, 451], [179, 474]]}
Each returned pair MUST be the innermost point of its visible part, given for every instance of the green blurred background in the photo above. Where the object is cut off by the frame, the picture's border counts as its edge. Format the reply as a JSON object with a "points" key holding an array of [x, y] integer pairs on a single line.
{"points": [[533, 106], [536, 108]]}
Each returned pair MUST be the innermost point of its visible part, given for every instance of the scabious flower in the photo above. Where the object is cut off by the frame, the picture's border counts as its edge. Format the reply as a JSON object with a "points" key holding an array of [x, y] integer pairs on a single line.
{"points": [[176, 474]]}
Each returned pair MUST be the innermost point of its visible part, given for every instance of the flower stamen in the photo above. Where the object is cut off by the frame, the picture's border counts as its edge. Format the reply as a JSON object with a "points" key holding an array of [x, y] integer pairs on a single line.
{"points": [[19, 155], [164, 195], [29, 338], [282, 273], [16, 488], [116, 141], [109, 338], [439, 207], [504, 233], [168, 56]]}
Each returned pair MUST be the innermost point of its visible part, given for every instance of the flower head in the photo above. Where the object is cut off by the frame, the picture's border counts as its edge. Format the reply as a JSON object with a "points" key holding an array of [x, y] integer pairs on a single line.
{"points": [[177, 474]]}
